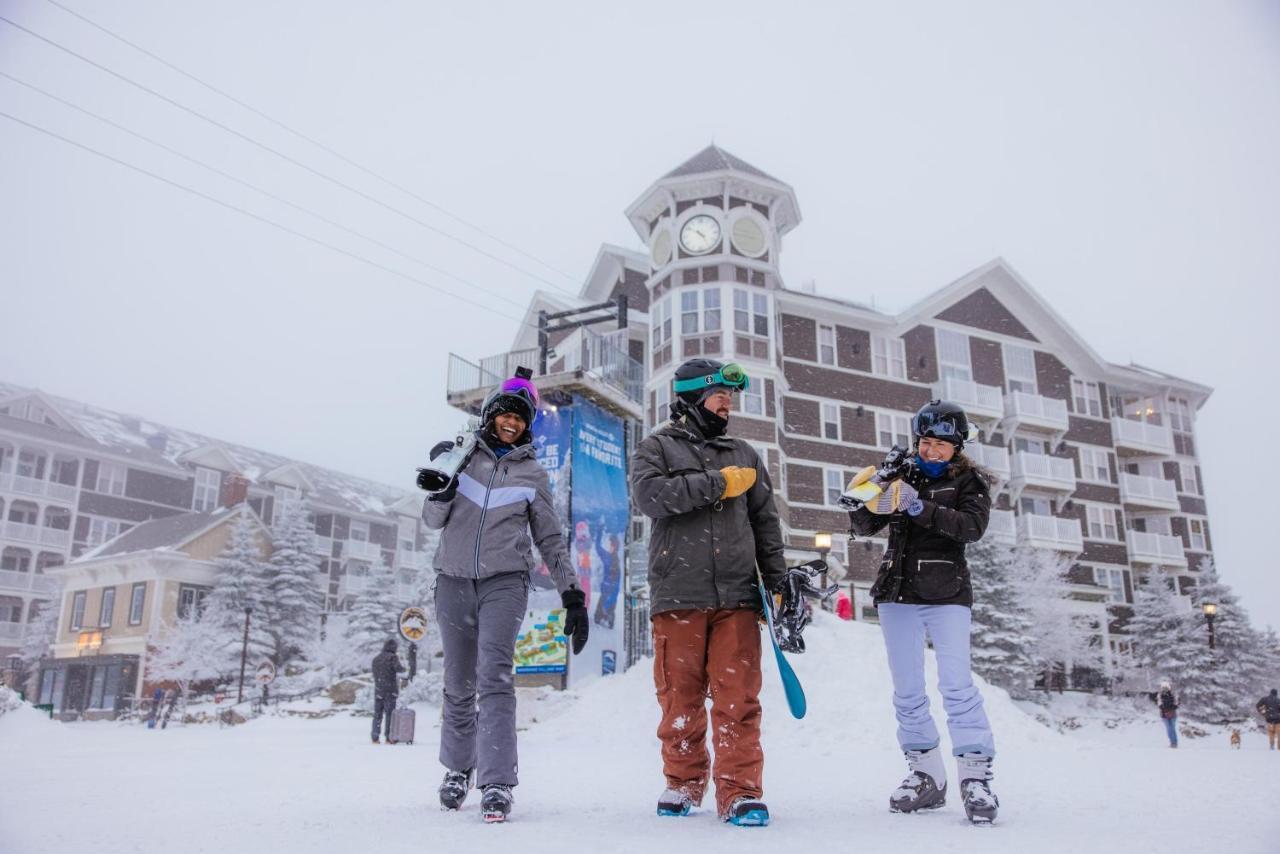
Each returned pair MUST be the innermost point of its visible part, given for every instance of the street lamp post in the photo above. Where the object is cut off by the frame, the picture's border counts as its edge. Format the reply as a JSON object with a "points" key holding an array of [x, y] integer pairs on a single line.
{"points": [[1210, 612], [822, 542], [244, 652]]}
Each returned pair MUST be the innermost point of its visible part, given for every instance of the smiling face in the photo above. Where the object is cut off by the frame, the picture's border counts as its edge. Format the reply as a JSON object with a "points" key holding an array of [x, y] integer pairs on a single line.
{"points": [[936, 450], [508, 426], [720, 401]]}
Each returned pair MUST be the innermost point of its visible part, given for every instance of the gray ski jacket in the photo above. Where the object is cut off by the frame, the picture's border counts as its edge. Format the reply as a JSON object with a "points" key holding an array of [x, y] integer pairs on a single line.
{"points": [[704, 551], [502, 508]]}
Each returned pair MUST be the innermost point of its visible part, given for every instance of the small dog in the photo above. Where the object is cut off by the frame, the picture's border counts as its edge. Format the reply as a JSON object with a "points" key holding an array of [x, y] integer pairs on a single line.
{"points": [[1235, 738]]}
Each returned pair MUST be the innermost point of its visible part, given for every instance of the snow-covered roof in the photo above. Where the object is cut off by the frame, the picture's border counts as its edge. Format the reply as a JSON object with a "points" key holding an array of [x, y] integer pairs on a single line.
{"points": [[171, 532], [713, 158]]}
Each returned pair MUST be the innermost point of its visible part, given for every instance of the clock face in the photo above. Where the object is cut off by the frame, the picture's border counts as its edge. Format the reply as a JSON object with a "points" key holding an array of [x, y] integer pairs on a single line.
{"points": [[748, 237], [700, 234], [661, 251]]}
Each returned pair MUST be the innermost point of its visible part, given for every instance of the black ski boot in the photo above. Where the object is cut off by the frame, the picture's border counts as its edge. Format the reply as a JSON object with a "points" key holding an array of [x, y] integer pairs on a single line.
{"points": [[925, 788], [748, 812], [980, 803], [453, 791], [495, 803]]}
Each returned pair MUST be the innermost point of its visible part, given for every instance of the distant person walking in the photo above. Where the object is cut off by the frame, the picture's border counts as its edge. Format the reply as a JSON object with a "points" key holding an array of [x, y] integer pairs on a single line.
{"points": [[170, 700], [386, 688], [157, 699], [1168, 703], [1269, 708]]}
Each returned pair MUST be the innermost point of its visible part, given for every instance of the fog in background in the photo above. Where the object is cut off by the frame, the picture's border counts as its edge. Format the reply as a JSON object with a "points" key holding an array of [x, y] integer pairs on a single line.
{"points": [[1121, 157]]}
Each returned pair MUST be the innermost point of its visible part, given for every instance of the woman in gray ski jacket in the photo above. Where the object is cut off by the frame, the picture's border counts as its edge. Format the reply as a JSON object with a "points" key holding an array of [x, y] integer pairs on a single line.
{"points": [[489, 517]]}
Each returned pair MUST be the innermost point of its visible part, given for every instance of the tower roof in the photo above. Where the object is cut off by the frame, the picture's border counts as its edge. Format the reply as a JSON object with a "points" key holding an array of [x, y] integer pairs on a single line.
{"points": [[715, 159]]}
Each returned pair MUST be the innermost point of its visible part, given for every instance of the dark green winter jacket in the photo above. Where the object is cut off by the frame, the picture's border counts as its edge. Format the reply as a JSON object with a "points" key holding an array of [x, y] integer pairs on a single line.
{"points": [[704, 551]]}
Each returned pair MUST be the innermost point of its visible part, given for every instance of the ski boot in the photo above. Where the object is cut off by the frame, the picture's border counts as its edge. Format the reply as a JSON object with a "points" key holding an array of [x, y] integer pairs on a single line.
{"points": [[748, 812], [925, 788], [495, 803], [674, 802], [453, 791], [980, 803]]}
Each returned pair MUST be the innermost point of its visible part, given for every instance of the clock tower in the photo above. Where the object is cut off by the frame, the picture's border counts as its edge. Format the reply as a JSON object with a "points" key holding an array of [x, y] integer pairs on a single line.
{"points": [[714, 228]]}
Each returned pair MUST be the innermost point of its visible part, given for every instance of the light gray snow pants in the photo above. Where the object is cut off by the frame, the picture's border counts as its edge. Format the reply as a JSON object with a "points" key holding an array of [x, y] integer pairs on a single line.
{"points": [[479, 620]]}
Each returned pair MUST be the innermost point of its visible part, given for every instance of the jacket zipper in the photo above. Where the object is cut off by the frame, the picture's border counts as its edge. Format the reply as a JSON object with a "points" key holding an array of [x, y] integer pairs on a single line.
{"points": [[483, 510]]}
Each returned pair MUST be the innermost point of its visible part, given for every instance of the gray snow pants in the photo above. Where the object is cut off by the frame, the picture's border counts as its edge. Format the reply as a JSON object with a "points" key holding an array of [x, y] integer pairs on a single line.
{"points": [[479, 620]]}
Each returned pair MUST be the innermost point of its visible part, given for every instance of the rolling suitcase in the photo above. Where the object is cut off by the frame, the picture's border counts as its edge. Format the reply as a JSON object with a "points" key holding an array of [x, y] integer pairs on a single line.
{"points": [[402, 722]]}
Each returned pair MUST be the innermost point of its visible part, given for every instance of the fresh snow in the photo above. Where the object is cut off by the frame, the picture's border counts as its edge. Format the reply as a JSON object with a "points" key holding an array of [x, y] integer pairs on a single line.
{"points": [[591, 774]]}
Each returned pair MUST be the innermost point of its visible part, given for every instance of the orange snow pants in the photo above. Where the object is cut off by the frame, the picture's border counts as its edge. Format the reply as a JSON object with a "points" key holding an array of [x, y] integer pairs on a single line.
{"points": [[699, 653]]}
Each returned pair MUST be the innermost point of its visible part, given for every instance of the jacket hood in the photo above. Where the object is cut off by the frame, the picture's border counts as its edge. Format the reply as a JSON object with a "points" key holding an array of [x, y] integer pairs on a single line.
{"points": [[389, 646]]}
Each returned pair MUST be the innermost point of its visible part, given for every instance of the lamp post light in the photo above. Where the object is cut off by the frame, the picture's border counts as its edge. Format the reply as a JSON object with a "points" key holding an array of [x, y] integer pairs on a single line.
{"points": [[822, 542], [244, 653], [1210, 611]]}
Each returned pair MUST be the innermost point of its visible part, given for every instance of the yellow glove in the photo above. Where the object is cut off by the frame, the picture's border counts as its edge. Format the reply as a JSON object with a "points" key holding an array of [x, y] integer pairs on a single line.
{"points": [[899, 495], [737, 480]]}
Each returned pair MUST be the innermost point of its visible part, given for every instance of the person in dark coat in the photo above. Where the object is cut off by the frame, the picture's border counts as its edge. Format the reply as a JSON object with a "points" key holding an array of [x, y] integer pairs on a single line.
{"points": [[1269, 708], [386, 687], [1168, 703], [715, 525]]}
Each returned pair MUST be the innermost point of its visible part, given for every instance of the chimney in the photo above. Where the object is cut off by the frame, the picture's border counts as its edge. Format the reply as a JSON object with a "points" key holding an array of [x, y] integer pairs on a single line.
{"points": [[235, 489]]}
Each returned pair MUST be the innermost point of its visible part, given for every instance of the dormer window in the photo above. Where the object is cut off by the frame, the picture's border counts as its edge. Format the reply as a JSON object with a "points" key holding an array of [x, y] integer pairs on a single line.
{"points": [[208, 485]]}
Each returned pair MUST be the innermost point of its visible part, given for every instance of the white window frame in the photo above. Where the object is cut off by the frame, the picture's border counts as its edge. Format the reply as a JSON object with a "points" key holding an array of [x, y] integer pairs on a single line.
{"points": [[833, 484], [137, 603], [1179, 414], [753, 313], [897, 424], [78, 600], [751, 399], [1087, 397], [1112, 580], [111, 478], [955, 359], [1190, 483], [204, 497], [661, 332], [107, 607], [1037, 502], [1016, 360], [103, 530], [826, 344], [888, 357], [1198, 540], [662, 396], [830, 417], [1095, 464], [31, 462], [1102, 522]]}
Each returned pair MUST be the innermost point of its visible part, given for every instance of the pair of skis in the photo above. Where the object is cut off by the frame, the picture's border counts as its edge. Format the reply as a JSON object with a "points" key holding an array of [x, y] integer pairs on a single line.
{"points": [[785, 628]]}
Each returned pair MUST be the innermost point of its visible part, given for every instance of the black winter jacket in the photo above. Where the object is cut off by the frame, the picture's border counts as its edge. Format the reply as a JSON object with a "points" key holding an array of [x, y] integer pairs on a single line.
{"points": [[924, 563], [1269, 708], [704, 551], [386, 666]]}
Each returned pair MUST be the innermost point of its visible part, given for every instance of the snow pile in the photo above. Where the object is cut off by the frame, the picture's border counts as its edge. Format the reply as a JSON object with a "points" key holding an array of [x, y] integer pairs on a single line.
{"points": [[9, 700]]}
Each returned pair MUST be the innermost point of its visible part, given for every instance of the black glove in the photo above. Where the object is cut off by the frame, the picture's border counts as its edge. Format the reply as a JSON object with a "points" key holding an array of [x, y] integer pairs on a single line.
{"points": [[440, 448], [576, 624]]}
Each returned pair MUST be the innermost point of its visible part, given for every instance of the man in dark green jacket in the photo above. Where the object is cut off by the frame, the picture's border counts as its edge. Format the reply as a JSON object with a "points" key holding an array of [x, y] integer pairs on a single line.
{"points": [[714, 526]]}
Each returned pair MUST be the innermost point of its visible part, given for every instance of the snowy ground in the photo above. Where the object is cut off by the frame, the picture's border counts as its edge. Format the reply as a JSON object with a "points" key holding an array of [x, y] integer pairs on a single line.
{"points": [[590, 774]]}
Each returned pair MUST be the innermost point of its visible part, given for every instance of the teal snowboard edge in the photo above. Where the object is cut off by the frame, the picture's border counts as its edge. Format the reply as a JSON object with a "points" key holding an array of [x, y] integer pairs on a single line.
{"points": [[790, 682]]}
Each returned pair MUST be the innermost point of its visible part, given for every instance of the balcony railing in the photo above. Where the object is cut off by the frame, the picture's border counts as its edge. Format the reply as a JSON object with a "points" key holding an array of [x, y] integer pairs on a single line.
{"points": [[1051, 532], [353, 585], [38, 534], [1044, 470], [975, 398], [32, 581], [1155, 548], [1002, 526], [361, 550], [991, 457], [1034, 410], [10, 482], [11, 633], [324, 546], [1148, 491], [1142, 436], [412, 560]]}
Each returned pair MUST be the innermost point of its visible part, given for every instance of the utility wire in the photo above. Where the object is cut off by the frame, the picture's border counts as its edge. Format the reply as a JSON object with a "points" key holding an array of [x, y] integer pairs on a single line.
{"points": [[229, 206], [179, 105], [257, 189]]}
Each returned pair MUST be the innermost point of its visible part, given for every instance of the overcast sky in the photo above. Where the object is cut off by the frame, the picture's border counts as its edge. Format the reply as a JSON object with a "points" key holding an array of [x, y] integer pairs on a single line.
{"points": [[1121, 157]]}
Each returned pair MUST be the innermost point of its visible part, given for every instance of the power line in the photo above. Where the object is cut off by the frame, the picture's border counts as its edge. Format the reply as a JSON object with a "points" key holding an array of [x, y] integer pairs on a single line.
{"points": [[175, 152], [179, 105], [323, 147], [228, 205]]}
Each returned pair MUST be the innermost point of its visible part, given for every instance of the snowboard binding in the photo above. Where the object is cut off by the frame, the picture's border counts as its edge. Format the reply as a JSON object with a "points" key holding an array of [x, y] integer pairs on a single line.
{"points": [[794, 612]]}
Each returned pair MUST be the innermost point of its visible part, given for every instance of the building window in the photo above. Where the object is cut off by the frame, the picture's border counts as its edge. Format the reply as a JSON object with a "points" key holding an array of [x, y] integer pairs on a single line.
{"points": [[893, 429], [826, 344], [191, 600], [888, 357], [359, 531], [408, 533], [108, 607], [24, 512], [699, 311], [835, 486], [111, 477], [1190, 482], [663, 396], [661, 333], [1095, 465], [752, 399], [208, 483], [103, 530], [1180, 414], [1034, 505], [137, 599], [831, 421], [1113, 581], [30, 464], [954, 357], [1087, 398], [14, 559], [1020, 368], [1196, 528], [1102, 522], [77, 610], [751, 313]]}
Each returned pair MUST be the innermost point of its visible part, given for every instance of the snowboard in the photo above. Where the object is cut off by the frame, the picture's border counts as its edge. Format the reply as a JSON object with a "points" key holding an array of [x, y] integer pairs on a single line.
{"points": [[790, 682]]}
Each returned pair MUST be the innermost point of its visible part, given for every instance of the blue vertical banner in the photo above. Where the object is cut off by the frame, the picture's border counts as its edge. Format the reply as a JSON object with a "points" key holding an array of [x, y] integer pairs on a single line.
{"points": [[600, 513]]}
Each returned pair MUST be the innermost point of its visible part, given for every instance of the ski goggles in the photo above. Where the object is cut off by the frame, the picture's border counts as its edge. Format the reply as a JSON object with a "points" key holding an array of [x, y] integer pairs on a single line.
{"points": [[521, 387], [940, 427], [731, 376]]}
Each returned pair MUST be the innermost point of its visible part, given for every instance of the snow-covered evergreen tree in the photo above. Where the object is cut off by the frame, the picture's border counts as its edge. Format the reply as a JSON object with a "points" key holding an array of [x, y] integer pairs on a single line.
{"points": [[186, 651], [1161, 629], [41, 632], [296, 599], [1062, 639], [1003, 643], [243, 581], [374, 617]]}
